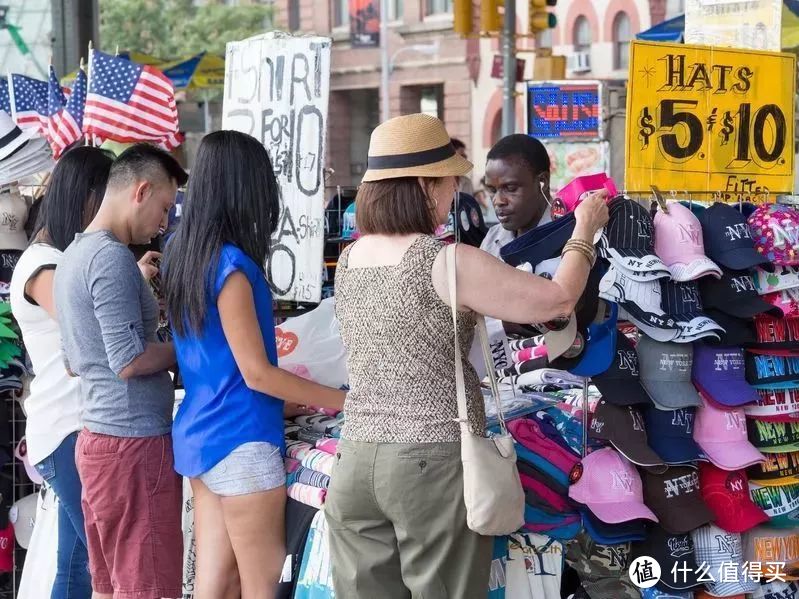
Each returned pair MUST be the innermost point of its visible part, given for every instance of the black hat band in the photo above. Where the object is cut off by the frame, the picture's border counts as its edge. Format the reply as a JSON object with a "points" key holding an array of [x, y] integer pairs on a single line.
{"points": [[412, 159]]}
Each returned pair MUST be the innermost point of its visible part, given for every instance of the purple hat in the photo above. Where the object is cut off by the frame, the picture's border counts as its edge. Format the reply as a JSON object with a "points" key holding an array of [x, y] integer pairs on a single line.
{"points": [[610, 486], [720, 373]]}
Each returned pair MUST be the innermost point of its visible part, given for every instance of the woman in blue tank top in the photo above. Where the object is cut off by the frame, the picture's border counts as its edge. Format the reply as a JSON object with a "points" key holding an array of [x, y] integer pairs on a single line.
{"points": [[228, 432]]}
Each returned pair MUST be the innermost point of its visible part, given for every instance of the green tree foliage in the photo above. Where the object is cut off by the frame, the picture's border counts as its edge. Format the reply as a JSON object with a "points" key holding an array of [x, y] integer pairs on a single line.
{"points": [[172, 29]]}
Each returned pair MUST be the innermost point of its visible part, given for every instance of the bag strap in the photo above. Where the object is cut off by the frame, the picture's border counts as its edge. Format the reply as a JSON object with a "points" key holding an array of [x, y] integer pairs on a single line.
{"points": [[450, 258]]}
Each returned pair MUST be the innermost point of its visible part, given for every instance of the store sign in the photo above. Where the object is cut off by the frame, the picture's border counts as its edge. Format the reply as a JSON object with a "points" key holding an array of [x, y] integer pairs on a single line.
{"points": [[364, 23], [565, 110], [276, 89], [753, 24], [710, 119]]}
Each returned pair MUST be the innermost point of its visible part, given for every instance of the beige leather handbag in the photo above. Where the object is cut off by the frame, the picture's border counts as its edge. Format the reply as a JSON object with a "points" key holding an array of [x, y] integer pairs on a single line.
{"points": [[492, 489]]}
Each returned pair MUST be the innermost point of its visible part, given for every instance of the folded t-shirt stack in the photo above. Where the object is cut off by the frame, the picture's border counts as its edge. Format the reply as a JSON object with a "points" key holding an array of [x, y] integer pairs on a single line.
{"points": [[310, 456]]}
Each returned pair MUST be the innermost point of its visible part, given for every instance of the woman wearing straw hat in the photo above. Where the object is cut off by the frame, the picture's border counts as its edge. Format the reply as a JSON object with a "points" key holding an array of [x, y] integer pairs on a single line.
{"points": [[395, 506]]}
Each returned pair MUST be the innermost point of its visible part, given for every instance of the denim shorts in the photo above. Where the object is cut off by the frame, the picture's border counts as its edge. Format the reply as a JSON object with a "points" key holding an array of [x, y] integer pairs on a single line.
{"points": [[250, 468]]}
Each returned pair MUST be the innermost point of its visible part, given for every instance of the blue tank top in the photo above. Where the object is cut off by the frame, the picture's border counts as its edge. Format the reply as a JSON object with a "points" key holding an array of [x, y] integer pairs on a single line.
{"points": [[220, 412]]}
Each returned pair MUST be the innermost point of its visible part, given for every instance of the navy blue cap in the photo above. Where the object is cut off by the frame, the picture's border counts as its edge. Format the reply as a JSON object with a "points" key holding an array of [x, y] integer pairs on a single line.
{"points": [[670, 434], [612, 534], [542, 243], [728, 240]]}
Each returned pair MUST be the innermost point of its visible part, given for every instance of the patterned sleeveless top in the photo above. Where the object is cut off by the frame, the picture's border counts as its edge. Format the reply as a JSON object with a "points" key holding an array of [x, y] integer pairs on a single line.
{"points": [[401, 352]]}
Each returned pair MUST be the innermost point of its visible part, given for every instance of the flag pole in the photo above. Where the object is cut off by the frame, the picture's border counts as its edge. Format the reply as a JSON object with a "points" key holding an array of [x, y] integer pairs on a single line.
{"points": [[11, 98], [88, 138]]}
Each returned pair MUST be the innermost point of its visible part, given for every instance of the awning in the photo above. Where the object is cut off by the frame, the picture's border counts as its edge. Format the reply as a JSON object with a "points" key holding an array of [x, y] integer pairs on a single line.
{"points": [[672, 30]]}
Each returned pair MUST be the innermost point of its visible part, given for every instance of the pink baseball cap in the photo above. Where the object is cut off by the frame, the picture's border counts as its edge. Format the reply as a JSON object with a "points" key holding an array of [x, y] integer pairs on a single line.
{"points": [[775, 231], [610, 486], [679, 243], [722, 436]]}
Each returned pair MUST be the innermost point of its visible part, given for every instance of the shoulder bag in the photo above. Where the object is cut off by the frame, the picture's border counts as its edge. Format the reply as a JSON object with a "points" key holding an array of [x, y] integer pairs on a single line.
{"points": [[492, 489]]}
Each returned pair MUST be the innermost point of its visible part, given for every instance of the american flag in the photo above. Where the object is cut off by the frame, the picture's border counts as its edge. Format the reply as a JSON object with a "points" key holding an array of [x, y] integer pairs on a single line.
{"points": [[5, 100], [128, 102], [29, 102], [65, 116]]}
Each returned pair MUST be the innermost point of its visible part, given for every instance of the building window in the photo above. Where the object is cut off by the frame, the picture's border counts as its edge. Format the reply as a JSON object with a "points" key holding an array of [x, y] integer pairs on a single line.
{"points": [[431, 101], [438, 7], [582, 34], [621, 41], [294, 15], [396, 9], [341, 12]]}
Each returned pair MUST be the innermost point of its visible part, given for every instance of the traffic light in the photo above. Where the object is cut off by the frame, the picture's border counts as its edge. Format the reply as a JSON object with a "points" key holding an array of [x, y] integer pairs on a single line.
{"points": [[540, 18], [490, 17], [463, 16]]}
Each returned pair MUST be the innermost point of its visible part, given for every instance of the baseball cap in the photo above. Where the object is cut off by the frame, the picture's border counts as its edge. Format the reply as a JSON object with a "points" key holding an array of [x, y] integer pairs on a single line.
{"points": [[674, 552], [774, 437], [7, 548], [772, 545], [737, 331], [628, 241], [785, 301], [722, 436], [670, 434], [471, 226], [602, 568], [727, 495], [600, 341], [655, 593], [779, 503], [624, 428], [722, 551], [349, 227], [777, 469], [775, 232], [776, 405], [776, 590], [610, 486], [720, 373], [675, 498], [772, 372], [612, 534], [782, 278], [641, 302], [21, 453], [776, 336], [620, 384], [728, 240], [541, 243], [23, 516], [735, 294], [679, 243], [666, 373], [682, 302]]}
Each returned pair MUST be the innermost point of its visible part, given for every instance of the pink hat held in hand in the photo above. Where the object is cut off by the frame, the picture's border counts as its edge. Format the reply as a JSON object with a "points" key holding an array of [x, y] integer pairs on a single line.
{"points": [[610, 486], [679, 243], [722, 436]]}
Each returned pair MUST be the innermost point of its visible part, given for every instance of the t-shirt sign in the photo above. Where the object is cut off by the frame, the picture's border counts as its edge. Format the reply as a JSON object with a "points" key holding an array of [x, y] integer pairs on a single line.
{"points": [[276, 89], [710, 119]]}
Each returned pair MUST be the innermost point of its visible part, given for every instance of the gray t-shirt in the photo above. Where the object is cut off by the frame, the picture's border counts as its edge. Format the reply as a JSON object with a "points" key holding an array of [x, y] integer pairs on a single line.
{"points": [[107, 312]]}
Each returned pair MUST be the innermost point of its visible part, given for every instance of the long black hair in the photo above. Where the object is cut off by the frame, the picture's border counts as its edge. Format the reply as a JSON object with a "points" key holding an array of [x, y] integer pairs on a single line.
{"points": [[73, 195], [233, 197]]}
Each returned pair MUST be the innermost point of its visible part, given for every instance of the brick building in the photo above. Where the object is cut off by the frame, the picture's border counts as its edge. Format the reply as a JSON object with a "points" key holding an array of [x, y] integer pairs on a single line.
{"points": [[455, 83]]}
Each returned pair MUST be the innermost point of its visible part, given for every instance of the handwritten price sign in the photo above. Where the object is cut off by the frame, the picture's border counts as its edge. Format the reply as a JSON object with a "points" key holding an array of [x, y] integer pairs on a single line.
{"points": [[710, 119]]}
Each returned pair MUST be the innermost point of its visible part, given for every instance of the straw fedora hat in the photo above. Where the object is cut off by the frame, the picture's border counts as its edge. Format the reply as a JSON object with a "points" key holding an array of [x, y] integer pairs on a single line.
{"points": [[415, 145]]}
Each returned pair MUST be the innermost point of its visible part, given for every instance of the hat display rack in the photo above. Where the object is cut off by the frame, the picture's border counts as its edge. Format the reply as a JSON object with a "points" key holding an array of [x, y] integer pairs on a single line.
{"points": [[702, 443]]}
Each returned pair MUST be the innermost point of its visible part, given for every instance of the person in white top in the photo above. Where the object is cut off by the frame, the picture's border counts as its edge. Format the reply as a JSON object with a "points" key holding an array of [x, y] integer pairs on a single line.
{"points": [[54, 405]]}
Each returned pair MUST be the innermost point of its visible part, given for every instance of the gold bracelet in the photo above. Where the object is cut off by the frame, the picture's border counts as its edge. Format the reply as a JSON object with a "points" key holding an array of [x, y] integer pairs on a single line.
{"points": [[582, 243], [591, 257], [583, 246]]}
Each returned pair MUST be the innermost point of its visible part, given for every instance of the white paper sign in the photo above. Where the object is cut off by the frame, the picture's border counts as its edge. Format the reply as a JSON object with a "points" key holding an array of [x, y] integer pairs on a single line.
{"points": [[276, 89]]}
